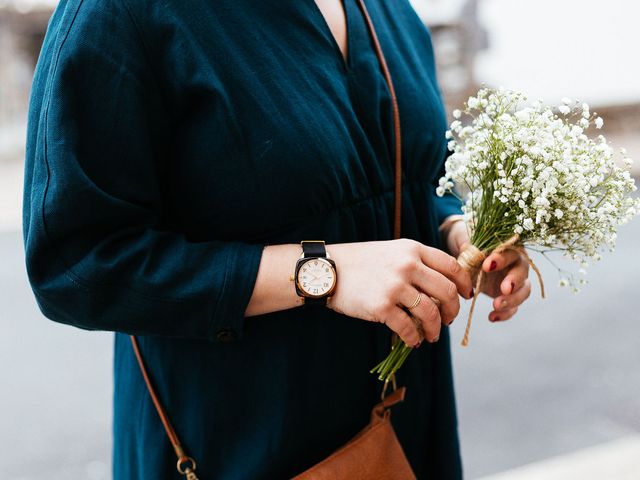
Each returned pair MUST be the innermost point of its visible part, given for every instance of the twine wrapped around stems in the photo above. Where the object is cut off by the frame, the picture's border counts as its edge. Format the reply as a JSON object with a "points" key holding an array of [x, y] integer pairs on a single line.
{"points": [[471, 259]]}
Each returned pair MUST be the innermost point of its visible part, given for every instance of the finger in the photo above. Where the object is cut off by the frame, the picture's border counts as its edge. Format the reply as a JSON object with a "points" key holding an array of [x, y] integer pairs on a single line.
{"points": [[429, 317], [449, 267], [504, 302], [436, 285], [400, 322], [410, 302], [502, 315], [515, 277], [498, 261]]}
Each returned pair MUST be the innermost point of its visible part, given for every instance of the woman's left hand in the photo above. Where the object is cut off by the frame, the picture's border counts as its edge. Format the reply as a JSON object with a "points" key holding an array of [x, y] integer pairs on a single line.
{"points": [[506, 274]]}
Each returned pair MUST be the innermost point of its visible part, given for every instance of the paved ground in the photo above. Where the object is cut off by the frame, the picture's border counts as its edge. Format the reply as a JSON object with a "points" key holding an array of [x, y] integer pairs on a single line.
{"points": [[55, 394], [618, 460], [562, 377]]}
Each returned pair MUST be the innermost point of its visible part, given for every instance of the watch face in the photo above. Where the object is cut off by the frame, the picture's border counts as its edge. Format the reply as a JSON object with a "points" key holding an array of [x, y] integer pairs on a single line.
{"points": [[316, 277]]}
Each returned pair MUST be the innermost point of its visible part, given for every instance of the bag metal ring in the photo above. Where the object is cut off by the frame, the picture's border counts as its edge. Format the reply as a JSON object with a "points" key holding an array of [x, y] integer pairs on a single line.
{"points": [[185, 469]]}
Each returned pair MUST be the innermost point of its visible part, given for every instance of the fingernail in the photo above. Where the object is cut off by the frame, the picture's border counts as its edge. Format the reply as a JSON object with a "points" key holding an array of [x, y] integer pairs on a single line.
{"points": [[493, 266], [496, 319], [513, 285], [435, 339], [418, 344], [503, 303]]}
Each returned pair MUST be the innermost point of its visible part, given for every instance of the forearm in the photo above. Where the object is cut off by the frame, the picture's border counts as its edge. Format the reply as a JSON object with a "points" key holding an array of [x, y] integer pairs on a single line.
{"points": [[454, 234], [274, 290]]}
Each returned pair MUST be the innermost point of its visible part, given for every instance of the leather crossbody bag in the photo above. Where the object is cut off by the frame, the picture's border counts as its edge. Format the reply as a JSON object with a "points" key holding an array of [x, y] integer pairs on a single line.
{"points": [[375, 452]]}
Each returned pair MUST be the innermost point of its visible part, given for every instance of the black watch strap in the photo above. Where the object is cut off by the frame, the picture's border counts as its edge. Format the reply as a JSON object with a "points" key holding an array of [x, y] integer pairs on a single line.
{"points": [[315, 302], [313, 248]]}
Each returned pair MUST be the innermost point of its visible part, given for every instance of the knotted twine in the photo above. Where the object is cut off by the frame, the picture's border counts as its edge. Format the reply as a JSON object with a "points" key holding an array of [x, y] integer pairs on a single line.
{"points": [[471, 259]]}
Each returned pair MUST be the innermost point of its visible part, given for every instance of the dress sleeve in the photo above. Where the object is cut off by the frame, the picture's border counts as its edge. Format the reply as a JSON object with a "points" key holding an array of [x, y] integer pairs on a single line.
{"points": [[96, 257]]}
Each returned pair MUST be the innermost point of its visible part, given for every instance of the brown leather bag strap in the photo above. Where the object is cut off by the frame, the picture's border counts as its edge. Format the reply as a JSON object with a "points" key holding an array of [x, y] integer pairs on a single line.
{"points": [[187, 465], [396, 119]]}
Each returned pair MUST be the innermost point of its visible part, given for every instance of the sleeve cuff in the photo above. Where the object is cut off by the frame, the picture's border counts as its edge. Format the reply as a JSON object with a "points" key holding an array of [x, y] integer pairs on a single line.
{"points": [[241, 270], [446, 206]]}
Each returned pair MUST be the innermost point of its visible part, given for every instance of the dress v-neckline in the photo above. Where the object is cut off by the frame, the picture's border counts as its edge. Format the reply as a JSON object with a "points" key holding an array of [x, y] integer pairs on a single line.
{"points": [[345, 60]]}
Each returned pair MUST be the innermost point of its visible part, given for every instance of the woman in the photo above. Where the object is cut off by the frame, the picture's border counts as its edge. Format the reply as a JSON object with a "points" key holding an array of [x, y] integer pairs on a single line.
{"points": [[177, 155]]}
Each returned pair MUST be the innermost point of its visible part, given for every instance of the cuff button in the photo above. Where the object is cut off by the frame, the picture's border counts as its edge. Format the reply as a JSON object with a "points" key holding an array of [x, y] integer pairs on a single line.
{"points": [[226, 335]]}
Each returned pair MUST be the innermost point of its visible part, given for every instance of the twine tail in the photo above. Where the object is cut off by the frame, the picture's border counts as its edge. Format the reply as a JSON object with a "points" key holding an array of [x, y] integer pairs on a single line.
{"points": [[471, 259], [535, 268], [465, 339]]}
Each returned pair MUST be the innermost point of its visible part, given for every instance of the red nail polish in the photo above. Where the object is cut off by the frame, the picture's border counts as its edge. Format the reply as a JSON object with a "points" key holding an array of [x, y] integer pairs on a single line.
{"points": [[513, 285], [493, 266], [496, 319], [473, 292]]}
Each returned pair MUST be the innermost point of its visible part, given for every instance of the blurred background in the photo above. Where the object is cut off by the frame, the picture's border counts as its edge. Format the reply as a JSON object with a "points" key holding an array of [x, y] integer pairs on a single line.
{"points": [[552, 394]]}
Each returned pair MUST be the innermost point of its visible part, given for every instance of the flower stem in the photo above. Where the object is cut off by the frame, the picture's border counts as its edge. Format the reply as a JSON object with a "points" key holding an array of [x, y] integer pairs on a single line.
{"points": [[392, 363]]}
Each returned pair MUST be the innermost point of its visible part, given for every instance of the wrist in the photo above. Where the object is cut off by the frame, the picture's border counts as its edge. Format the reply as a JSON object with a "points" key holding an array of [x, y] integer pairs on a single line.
{"points": [[274, 288], [339, 254], [454, 234]]}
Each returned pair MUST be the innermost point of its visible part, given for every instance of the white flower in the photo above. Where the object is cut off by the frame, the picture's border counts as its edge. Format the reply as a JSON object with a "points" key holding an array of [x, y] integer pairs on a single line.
{"points": [[538, 175], [457, 113], [599, 122], [566, 100]]}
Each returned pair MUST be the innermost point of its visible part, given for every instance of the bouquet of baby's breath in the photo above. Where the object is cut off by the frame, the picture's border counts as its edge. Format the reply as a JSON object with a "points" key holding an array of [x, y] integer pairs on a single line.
{"points": [[533, 180]]}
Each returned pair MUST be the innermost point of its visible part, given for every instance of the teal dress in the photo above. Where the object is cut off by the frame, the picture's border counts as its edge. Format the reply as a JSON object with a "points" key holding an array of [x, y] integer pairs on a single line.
{"points": [[170, 141]]}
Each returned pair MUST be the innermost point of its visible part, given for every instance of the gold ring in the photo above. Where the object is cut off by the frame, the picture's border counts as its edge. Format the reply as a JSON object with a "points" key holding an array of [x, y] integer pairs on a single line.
{"points": [[416, 302]]}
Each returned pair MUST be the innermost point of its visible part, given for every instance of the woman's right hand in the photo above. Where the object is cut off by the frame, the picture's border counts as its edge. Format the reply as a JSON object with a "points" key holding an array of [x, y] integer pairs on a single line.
{"points": [[377, 279]]}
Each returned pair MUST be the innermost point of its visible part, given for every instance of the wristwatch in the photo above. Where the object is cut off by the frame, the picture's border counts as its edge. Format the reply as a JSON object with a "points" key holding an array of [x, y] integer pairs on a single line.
{"points": [[315, 275]]}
